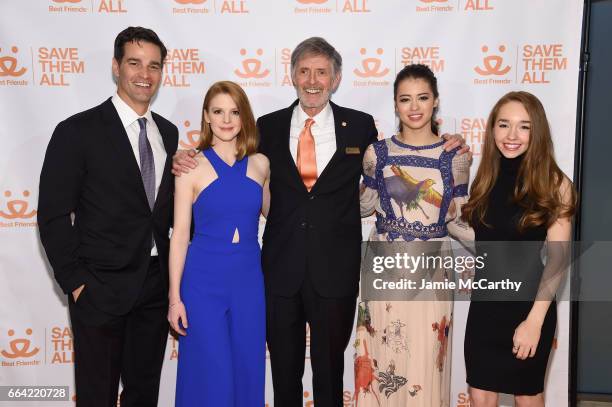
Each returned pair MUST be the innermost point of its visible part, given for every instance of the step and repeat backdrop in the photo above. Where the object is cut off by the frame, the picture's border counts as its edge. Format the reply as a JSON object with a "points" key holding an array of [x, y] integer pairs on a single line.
{"points": [[55, 60]]}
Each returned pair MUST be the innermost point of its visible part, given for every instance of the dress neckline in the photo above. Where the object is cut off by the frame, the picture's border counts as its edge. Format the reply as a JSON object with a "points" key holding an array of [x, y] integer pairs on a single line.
{"points": [[411, 147], [222, 160]]}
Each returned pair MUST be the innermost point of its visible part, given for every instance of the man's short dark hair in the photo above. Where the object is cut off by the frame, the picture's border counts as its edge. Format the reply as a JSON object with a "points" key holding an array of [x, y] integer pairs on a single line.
{"points": [[137, 34]]}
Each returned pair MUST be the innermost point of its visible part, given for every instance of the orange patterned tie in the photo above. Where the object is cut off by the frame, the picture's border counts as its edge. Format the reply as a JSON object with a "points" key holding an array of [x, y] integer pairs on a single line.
{"points": [[306, 158]]}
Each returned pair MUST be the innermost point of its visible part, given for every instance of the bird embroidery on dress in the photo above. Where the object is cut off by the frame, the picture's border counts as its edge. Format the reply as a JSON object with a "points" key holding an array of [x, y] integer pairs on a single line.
{"points": [[364, 375], [407, 191]]}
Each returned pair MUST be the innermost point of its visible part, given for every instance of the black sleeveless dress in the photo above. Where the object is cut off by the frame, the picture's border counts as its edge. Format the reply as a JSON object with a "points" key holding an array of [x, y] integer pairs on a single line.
{"points": [[490, 363]]}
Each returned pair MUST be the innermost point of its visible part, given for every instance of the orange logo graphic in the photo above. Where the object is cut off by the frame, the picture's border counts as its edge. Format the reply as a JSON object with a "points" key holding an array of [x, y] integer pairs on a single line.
{"points": [[19, 347], [17, 208], [429, 56], [112, 6], [434, 6], [478, 5], [355, 6], [312, 7], [493, 63], [193, 137], [173, 343], [57, 65], [251, 66], [182, 63], [307, 403], [371, 66], [234, 7], [8, 64], [68, 6], [61, 345], [473, 131], [190, 1], [463, 400], [285, 67], [540, 60]]}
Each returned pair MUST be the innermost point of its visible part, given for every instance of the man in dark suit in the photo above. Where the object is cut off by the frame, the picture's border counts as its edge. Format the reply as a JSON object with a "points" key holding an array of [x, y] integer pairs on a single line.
{"points": [[104, 213], [311, 244]]}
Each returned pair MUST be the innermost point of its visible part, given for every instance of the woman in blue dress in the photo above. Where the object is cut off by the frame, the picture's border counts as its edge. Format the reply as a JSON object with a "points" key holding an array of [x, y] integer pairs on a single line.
{"points": [[216, 290]]}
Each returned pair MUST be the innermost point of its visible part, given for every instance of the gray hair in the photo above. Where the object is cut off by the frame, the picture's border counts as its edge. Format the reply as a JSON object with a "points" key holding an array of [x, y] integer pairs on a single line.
{"points": [[316, 46]]}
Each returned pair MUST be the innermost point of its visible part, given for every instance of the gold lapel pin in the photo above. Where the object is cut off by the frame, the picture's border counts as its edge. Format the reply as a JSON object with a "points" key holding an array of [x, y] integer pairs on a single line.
{"points": [[343, 124]]}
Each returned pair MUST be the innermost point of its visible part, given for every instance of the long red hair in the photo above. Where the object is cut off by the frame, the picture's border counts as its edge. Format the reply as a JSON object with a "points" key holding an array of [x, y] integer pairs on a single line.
{"points": [[538, 187], [248, 139]]}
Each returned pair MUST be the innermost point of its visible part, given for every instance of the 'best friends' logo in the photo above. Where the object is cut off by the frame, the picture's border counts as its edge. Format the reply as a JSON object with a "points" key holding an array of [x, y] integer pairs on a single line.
{"points": [[191, 7], [371, 68], [493, 67], [20, 350], [16, 209], [433, 6], [11, 71], [191, 138], [67, 6], [252, 69]]}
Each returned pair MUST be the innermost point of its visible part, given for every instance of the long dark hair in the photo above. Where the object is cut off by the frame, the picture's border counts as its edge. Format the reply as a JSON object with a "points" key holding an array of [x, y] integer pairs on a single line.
{"points": [[419, 71]]}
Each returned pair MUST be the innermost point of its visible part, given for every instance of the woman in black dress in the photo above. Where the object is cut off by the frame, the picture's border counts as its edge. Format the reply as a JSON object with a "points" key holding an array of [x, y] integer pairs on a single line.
{"points": [[519, 194]]}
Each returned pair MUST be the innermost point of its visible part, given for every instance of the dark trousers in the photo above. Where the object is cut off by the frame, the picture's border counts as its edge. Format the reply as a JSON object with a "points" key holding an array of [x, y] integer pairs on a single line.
{"points": [[130, 347], [331, 324]]}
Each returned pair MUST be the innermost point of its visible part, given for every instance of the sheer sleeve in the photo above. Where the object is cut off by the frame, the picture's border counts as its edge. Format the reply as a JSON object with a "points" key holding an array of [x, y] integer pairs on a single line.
{"points": [[458, 229], [368, 191]]}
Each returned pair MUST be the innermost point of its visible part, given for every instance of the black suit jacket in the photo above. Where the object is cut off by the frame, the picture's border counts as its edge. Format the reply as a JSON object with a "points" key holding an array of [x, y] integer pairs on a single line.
{"points": [[314, 234], [90, 170]]}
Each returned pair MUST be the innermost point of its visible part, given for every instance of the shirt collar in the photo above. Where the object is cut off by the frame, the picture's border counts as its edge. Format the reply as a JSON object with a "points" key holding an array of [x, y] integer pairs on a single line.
{"points": [[322, 119], [127, 115]]}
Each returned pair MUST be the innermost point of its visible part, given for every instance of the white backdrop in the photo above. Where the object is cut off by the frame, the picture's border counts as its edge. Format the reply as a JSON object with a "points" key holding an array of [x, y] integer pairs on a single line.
{"points": [[55, 60]]}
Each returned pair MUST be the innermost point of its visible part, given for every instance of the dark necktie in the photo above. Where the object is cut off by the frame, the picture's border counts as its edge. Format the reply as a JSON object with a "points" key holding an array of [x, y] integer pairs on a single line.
{"points": [[147, 163]]}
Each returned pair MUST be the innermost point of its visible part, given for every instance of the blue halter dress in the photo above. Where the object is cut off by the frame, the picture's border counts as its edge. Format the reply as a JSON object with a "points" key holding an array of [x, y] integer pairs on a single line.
{"points": [[222, 358]]}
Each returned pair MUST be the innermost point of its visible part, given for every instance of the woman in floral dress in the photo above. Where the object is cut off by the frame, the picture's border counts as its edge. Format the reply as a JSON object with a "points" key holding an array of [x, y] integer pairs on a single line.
{"points": [[415, 188]]}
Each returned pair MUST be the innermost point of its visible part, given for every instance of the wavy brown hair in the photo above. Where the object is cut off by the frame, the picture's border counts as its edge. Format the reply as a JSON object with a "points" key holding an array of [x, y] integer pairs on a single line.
{"points": [[247, 139], [538, 186]]}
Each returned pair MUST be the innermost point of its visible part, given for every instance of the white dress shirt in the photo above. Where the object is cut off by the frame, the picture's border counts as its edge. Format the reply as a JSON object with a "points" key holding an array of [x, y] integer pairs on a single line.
{"points": [[129, 119], [323, 131]]}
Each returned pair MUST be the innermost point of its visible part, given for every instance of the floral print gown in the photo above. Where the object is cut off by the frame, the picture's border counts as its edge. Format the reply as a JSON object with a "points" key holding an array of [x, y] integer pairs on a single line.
{"points": [[402, 348]]}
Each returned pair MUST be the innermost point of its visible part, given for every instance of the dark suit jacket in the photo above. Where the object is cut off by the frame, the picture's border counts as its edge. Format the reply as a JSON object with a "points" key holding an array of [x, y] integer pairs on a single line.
{"points": [[90, 170], [314, 234]]}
